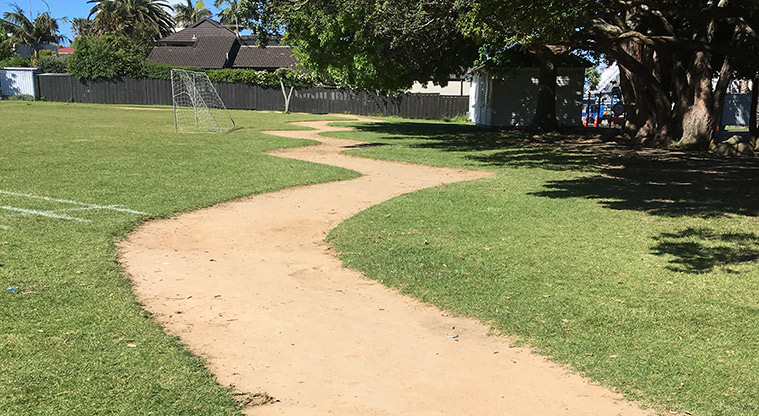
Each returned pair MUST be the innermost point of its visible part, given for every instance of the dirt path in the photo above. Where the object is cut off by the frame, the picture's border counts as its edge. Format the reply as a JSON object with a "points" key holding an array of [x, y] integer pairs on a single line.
{"points": [[251, 286]]}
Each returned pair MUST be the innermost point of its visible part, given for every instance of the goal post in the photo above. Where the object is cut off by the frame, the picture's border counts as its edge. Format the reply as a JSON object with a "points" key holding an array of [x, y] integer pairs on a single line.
{"points": [[197, 105]]}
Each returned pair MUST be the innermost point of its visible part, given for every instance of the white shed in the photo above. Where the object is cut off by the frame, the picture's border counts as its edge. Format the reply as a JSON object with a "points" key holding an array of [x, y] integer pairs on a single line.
{"points": [[509, 99], [17, 81]]}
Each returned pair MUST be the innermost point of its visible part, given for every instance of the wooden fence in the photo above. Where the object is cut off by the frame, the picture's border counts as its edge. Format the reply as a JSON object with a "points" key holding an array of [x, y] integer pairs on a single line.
{"points": [[319, 100]]}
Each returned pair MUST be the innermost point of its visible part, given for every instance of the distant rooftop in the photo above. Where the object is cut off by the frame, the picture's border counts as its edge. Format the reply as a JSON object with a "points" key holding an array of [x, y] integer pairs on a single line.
{"points": [[209, 44]]}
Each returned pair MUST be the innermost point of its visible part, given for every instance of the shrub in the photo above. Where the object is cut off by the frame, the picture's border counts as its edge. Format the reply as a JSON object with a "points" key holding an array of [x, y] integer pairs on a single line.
{"points": [[16, 61], [243, 76], [460, 118], [52, 64], [20, 97], [106, 56], [45, 52], [6, 48], [265, 78]]}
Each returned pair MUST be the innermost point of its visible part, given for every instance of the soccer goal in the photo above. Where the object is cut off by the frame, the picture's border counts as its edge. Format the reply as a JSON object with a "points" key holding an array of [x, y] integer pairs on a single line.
{"points": [[197, 106]]}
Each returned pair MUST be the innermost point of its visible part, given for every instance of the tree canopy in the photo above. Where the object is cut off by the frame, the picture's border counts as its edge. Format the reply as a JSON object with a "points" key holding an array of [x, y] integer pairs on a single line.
{"points": [[129, 16], [378, 45], [669, 51], [33, 33], [189, 13], [230, 15]]}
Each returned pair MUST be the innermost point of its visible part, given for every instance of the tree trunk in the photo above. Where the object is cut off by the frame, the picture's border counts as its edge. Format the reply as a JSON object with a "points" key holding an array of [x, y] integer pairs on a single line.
{"points": [[752, 124], [698, 121], [286, 95], [649, 111], [545, 109]]}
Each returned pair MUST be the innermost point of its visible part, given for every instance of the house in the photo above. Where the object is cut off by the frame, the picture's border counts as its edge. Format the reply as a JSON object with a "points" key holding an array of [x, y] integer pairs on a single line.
{"points": [[208, 44], [507, 98], [24, 50]]}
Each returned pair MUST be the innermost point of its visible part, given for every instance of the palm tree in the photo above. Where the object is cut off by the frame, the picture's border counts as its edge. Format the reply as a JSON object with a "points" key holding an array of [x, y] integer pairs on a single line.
{"points": [[187, 14], [81, 26], [33, 33], [127, 15], [229, 16]]}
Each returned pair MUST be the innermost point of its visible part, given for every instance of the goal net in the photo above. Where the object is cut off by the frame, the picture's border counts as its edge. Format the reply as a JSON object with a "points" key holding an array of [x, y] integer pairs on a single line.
{"points": [[197, 106]]}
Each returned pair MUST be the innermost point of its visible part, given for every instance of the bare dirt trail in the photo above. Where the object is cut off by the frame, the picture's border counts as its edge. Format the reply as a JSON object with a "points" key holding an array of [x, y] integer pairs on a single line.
{"points": [[251, 286]]}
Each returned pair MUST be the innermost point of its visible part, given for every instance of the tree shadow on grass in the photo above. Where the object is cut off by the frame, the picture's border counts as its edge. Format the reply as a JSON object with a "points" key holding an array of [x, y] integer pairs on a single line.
{"points": [[515, 148], [671, 185], [700, 250], [448, 137], [658, 182]]}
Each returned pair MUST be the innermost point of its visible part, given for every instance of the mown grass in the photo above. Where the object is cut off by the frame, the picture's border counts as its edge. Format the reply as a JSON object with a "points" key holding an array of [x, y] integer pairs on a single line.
{"points": [[638, 270], [73, 339]]}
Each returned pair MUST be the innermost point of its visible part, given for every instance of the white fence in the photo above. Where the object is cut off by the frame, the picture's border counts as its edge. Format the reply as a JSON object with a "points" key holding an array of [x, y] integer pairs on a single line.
{"points": [[17, 81]]}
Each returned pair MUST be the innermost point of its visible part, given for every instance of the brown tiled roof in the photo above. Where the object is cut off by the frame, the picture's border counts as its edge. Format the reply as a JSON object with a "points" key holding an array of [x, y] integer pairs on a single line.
{"points": [[271, 57], [208, 52], [203, 28]]}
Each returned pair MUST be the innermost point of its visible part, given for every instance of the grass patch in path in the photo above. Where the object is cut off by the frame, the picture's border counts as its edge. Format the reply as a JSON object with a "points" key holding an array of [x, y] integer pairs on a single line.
{"points": [[638, 269], [73, 339]]}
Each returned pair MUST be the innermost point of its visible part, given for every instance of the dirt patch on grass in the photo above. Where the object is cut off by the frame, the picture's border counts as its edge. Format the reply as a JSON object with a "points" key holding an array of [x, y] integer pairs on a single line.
{"points": [[251, 286], [142, 108]]}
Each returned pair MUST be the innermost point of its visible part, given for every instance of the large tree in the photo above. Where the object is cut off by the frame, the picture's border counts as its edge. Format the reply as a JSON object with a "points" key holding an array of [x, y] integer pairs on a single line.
{"points": [[388, 45], [677, 56], [129, 16], [189, 12], [33, 33], [677, 59]]}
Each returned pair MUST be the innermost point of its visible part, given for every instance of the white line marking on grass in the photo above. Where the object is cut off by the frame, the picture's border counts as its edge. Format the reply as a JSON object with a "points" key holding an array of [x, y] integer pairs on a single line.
{"points": [[68, 201], [81, 209], [48, 214]]}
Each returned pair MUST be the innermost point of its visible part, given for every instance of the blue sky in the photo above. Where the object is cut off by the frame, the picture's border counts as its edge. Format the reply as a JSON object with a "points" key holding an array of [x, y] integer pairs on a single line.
{"points": [[65, 8]]}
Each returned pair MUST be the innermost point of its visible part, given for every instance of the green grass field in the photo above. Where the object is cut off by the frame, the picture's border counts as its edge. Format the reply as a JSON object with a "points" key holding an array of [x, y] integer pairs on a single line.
{"points": [[641, 272], [73, 340]]}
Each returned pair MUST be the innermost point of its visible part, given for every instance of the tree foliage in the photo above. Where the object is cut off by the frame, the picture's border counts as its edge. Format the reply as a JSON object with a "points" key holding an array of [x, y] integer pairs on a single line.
{"points": [[7, 49], [230, 15], [81, 26], [128, 16], [378, 45], [105, 56], [33, 33], [189, 13], [261, 17], [52, 64]]}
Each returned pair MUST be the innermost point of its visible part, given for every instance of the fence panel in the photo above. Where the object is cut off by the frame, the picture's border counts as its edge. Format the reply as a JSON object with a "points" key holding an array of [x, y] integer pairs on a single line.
{"points": [[318, 100]]}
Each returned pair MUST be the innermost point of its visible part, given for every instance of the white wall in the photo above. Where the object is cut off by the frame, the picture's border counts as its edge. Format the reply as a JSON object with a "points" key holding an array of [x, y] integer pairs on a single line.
{"points": [[510, 99], [15, 81], [480, 100], [455, 87]]}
